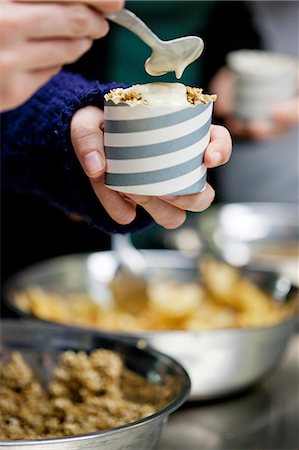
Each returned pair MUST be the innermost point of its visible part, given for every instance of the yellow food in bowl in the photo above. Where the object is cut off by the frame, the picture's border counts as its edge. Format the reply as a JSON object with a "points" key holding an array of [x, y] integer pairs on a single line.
{"points": [[222, 299]]}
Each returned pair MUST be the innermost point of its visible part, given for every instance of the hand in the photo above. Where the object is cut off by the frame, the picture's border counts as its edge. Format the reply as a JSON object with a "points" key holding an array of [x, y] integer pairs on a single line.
{"points": [[284, 115], [169, 212], [104, 6], [37, 39]]}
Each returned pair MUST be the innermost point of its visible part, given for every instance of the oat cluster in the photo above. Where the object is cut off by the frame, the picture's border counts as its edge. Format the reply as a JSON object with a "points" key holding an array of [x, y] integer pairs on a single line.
{"points": [[88, 393], [132, 96], [195, 96]]}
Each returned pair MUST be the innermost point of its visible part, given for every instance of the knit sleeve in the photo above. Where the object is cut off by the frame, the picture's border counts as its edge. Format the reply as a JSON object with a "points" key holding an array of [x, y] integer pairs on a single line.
{"points": [[38, 157]]}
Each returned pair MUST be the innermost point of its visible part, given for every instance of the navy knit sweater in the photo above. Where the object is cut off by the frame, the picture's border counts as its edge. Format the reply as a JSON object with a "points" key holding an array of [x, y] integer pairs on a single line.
{"points": [[38, 157]]}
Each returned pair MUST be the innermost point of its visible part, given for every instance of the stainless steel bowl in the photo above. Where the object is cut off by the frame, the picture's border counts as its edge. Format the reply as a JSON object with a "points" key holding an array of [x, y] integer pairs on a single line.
{"points": [[219, 362], [41, 344], [262, 234]]}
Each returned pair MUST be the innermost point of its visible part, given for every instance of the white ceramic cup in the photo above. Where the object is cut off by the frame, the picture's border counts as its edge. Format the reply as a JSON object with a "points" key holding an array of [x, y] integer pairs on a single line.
{"points": [[262, 80], [156, 150]]}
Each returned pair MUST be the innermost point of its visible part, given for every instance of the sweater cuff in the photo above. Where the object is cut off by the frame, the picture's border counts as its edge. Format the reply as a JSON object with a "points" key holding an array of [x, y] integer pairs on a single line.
{"points": [[39, 158]]}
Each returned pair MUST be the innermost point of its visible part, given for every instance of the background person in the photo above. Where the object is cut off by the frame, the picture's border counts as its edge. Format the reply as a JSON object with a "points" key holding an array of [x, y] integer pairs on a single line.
{"points": [[264, 164]]}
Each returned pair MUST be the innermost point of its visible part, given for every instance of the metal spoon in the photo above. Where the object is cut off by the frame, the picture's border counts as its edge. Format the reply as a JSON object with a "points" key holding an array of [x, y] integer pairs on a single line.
{"points": [[167, 56], [129, 285]]}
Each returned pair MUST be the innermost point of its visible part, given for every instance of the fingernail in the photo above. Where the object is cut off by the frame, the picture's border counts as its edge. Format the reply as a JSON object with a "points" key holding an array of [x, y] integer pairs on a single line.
{"points": [[216, 158], [93, 162]]}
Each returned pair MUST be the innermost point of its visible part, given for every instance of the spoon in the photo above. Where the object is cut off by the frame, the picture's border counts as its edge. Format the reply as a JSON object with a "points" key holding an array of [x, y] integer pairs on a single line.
{"points": [[129, 285], [167, 56]]}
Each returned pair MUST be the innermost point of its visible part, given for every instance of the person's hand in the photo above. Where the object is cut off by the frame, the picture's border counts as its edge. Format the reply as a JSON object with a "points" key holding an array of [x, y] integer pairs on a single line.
{"points": [[104, 6], [284, 115], [37, 39], [169, 212]]}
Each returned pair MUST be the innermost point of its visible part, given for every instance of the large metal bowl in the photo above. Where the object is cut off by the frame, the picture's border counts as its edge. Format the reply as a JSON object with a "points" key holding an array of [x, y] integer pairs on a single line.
{"points": [[219, 362], [262, 234], [41, 344]]}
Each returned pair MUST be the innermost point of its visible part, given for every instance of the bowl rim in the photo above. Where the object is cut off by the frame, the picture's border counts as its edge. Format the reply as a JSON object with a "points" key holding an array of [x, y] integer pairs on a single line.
{"points": [[8, 289], [179, 399]]}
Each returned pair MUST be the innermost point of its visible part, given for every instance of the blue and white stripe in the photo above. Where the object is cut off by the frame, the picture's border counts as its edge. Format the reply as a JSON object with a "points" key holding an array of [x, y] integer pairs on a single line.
{"points": [[156, 151]]}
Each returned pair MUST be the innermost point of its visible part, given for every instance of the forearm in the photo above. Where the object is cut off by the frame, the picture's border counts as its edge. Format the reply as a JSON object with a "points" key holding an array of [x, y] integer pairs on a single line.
{"points": [[37, 155]]}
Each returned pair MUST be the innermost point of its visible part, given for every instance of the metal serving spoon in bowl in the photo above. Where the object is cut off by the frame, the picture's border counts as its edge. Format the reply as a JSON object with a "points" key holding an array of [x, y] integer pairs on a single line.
{"points": [[167, 56], [129, 285]]}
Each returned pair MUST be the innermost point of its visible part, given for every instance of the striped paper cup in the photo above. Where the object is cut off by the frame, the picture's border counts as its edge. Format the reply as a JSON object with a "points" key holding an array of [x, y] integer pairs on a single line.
{"points": [[156, 150]]}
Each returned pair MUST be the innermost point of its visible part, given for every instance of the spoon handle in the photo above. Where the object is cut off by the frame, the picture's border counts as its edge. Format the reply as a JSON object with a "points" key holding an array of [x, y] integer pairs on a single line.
{"points": [[130, 21], [127, 254]]}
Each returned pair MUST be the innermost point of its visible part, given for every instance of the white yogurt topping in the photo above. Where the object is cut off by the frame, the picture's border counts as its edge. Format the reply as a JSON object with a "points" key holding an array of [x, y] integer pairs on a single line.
{"points": [[163, 65], [174, 55], [159, 94]]}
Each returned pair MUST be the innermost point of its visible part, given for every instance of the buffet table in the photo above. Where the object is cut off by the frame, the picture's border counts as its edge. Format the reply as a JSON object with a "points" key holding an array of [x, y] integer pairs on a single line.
{"points": [[266, 417]]}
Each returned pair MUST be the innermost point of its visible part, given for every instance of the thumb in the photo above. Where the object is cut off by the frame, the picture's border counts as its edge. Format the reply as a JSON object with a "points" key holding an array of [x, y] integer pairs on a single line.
{"points": [[87, 139]]}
